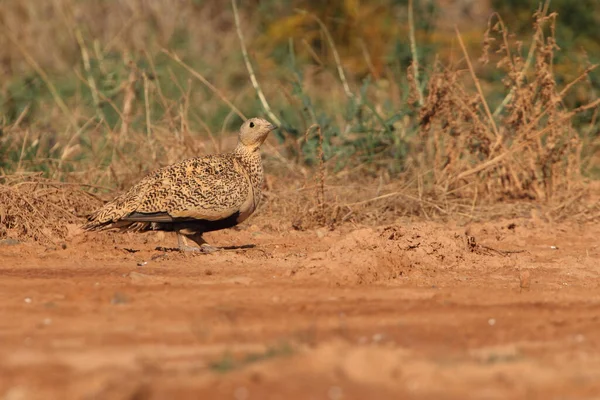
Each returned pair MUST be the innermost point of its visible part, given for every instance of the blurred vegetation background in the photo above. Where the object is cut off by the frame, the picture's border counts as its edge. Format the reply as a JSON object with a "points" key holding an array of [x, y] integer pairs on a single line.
{"points": [[103, 91]]}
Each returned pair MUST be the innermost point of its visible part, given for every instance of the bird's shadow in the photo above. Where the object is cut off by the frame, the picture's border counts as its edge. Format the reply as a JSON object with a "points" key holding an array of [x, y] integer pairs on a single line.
{"points": [[242, 247]]}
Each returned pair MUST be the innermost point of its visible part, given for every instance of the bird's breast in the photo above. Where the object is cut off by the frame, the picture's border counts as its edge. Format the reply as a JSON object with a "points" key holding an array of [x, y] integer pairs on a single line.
{"points": [[249, 205]]}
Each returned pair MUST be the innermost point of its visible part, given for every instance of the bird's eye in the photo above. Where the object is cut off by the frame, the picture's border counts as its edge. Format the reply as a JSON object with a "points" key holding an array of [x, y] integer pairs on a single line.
{"points": [[251, 124]]}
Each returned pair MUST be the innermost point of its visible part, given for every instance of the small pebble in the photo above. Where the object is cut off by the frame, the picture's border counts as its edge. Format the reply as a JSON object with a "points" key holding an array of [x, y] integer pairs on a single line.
{"points": [[241, 393], [524, 279], [139, 277], [491, 321], [9, 242], [27, 300], [119, 298], [142, 263], [335, 393]]}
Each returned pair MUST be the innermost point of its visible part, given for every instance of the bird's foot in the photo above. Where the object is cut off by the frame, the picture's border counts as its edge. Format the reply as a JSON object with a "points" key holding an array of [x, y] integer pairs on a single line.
{"points": [[205, 248]]}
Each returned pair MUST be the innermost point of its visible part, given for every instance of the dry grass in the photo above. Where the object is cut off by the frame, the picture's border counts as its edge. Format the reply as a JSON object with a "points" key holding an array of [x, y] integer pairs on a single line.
{"points": [[465, 158], [35, 208], [531, 151]]}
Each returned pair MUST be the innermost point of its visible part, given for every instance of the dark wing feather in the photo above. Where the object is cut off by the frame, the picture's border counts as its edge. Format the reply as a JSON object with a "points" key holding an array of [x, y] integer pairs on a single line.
{"points": [[206, 188], [149, 217]]}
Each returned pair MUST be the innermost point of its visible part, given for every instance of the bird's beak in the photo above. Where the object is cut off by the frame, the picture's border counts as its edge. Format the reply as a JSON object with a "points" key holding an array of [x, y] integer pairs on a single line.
{"points": [[272, 127]]}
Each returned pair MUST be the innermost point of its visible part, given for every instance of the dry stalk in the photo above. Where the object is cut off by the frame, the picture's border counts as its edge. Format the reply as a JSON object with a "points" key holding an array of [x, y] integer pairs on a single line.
{"points": [[584, 75], [148, 116], [531, 153], [128, 102], [336, 56], [477, 84], [253, 79], [519, 146], [413, 50], [21, 117], [69, 146], [102, 96], [206, 83], [40, 71], [22, 150], [320, 178], [366, 56], [161, 95], [88, 69]]}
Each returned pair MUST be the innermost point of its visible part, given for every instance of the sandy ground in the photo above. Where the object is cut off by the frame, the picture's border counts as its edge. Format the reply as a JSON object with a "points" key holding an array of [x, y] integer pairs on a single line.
{"points": [[509, 309]]}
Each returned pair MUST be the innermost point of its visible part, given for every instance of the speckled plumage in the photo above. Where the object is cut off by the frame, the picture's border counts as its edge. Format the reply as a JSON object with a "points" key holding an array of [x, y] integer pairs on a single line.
{"points": [[194, 196]]}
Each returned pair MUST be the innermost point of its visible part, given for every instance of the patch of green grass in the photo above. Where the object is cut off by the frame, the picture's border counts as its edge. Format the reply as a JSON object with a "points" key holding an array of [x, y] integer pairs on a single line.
{"points": [[228, 363]]}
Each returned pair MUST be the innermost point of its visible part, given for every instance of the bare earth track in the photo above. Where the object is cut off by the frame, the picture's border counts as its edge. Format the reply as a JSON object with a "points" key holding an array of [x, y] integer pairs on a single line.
{"points": [[412, 310]]}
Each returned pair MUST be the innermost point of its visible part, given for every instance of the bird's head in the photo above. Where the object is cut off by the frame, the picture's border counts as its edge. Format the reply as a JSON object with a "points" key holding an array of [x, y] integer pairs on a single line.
{"points": [[254, 132]]}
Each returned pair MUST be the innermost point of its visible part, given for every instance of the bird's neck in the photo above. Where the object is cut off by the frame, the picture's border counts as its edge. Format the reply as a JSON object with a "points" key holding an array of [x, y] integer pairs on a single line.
{"points": [[251, 160]]}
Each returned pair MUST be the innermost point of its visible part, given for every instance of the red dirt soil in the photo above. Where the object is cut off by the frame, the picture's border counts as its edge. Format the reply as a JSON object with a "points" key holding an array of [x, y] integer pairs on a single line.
{"points": [[501, 310]]}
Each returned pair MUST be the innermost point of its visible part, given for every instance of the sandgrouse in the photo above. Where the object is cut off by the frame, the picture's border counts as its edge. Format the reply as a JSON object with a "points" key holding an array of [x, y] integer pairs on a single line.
{"points": [[194, 196]]}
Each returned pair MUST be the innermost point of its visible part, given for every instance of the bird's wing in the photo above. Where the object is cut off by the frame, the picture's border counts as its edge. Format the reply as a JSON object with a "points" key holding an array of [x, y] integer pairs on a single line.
{"points": [[211, 188]]}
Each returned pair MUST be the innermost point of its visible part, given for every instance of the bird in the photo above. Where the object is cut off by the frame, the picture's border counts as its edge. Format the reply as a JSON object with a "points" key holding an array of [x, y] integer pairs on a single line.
{"points": [[194, 196]]}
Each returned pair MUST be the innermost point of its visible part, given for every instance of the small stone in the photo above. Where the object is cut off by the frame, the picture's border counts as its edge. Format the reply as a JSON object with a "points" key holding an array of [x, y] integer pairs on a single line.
{"points": [[9, 242], [158, 256], [27, 300], [335, 393], [241, 280], [241, 393], [50, 304], [491, 321], [524, 279], [139, 277], [119, 298]]}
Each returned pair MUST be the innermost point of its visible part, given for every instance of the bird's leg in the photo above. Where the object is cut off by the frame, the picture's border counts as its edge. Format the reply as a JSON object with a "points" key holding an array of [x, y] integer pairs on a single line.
{"points": [[199, 240], [202, 247]]}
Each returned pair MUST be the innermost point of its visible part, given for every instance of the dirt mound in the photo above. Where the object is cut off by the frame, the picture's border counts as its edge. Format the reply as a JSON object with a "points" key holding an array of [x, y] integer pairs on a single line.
{"points": [[41, 210], [387, 254]]}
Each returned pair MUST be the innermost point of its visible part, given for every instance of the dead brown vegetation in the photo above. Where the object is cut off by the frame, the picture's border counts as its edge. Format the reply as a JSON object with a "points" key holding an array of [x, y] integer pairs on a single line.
{"points": [[467, 160], [531, 151], [35, 208]]}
